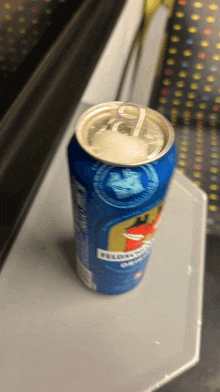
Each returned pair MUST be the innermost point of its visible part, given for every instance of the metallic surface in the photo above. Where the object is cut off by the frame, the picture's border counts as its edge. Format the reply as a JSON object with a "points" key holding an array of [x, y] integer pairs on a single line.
{"points": [[155, 130], [118, 201]]}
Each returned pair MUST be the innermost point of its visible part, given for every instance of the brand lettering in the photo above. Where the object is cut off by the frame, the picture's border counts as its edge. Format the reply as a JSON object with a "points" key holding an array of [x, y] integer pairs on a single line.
{"points": [[128, 256]]}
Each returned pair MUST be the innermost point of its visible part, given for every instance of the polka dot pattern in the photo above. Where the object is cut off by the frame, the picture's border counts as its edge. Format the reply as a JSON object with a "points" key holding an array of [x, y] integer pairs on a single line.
{"points": [[193, 58], [22, 24], [192, 70]]}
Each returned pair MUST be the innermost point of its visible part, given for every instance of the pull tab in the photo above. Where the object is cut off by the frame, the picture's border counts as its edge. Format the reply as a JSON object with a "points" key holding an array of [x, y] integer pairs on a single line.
{"points": [[134, 121]]}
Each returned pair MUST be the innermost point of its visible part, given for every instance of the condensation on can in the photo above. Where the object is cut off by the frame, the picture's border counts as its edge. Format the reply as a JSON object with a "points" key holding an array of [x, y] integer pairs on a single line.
{"points": [[117, 205]]}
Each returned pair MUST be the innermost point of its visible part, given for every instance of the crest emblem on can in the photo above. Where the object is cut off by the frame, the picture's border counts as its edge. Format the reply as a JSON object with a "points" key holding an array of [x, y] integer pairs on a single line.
{"points": [[129, 184], [123, 187]]}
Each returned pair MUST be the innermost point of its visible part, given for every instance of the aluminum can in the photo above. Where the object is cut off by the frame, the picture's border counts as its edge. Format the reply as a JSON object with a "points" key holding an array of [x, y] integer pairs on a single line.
{"points": [[121, 160]]}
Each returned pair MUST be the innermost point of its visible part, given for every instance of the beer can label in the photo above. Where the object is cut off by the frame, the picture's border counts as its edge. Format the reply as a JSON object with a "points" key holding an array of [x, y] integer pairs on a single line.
{"points": [[130, 242], [114, 240]]}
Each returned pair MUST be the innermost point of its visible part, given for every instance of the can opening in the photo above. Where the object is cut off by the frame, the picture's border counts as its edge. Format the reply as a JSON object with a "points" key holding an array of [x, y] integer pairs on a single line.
{"points": [[121, 133]]}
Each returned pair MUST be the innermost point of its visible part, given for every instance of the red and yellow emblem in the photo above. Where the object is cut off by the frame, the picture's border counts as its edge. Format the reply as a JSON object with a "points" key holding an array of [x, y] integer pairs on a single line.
{"points": [[131, 234]]}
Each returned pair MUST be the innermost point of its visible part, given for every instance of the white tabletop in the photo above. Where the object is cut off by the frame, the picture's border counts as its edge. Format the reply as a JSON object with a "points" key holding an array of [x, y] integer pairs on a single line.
{"points": [[57, 335]]}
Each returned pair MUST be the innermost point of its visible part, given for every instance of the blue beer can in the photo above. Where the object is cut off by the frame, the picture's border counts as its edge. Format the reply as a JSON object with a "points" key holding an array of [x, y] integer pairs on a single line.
{"points": [[121, 160]]}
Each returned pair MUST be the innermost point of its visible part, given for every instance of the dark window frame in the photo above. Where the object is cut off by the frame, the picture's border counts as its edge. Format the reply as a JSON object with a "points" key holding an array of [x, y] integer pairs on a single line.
{"points": [[32, 128]]}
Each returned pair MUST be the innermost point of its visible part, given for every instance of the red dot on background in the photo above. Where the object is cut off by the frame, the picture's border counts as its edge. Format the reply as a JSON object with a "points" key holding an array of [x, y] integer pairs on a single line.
{"points": [[201, 55], [198, 167], [187, 112], [215, 108], [164, 91], [208, 31], [199, 146], [169, 72], [199, 120], [182, 2], [11, 40], [34, 10]]}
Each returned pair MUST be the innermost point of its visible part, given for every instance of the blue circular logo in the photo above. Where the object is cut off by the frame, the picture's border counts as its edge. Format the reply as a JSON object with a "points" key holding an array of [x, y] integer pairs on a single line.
{"points": [[125, 187]]}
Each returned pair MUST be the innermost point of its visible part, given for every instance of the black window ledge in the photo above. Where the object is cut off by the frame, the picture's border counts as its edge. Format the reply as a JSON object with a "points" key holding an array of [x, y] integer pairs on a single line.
{"points": [[33, 127]]}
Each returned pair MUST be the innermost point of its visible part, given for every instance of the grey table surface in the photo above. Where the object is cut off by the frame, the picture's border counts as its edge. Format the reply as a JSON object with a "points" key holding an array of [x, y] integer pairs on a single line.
{"points": [[205, 376], [58, 335]]}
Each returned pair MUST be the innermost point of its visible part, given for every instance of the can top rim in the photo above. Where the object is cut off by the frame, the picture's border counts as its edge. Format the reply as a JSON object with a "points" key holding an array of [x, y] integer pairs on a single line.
{"points": [[150, 115]]}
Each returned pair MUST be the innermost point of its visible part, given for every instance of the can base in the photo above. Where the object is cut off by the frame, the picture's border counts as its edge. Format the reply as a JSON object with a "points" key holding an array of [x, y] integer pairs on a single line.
{"points": [[89, 280]]}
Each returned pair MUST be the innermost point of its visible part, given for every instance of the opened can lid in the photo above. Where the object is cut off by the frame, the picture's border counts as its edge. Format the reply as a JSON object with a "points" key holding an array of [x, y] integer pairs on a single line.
{"points": [[124, 134]]}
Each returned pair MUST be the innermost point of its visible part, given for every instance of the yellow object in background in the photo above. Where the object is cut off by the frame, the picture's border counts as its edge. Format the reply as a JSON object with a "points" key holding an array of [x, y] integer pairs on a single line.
{"points": [[151, 6]]}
